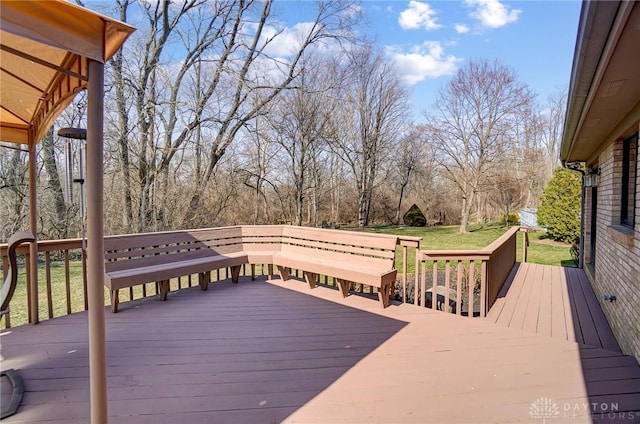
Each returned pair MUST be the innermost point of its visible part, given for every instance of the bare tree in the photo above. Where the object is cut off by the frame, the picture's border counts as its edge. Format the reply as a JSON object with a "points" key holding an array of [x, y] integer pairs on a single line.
{"points": [[13, 189], [373, 114], [259, 149], [299, 126], [473, 123], [247, 77], [407, 161], [58, 225], [553, 122]]}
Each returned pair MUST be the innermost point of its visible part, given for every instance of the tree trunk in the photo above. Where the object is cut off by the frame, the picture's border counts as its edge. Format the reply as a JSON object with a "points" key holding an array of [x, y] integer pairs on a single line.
{"points": [[123, 131], [466, 211], [59, 224], [400, 197]]}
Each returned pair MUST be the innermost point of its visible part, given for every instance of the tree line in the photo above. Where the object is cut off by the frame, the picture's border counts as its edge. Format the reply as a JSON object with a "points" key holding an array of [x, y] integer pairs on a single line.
{"points": [[217, 114]]}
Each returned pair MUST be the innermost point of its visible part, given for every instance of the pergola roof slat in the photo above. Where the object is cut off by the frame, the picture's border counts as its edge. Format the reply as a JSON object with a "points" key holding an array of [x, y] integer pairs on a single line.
{"points": [[44, 51]]}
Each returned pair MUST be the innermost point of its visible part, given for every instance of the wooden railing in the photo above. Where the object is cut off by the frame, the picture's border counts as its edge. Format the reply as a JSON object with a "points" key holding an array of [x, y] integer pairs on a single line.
{"points": [[62, 279], [465, 282]]}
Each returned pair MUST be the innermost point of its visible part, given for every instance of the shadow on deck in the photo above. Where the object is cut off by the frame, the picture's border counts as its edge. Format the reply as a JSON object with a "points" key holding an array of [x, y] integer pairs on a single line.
{"points": [[249, 353]]}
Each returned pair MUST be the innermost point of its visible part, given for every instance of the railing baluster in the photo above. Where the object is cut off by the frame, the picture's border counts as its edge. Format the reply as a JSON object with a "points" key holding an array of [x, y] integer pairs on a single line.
{"points": [[483, 289], [417, 272], [5, 270], [423, 288], [434, 286], [420, 284], [459, 269], [447, 275], [5, 267], [47, 271], [27, 261], [404, 273], [84, 279], [67, 280], [472, 284]]}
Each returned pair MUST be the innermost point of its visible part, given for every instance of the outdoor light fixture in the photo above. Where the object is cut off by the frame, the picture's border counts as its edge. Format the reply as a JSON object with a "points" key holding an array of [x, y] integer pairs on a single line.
{"points": [[76, 134], [592, 178]]}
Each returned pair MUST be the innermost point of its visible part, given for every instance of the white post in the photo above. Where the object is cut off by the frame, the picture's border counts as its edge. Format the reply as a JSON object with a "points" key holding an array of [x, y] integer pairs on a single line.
{"points": [[95, 248], [33, 226]]}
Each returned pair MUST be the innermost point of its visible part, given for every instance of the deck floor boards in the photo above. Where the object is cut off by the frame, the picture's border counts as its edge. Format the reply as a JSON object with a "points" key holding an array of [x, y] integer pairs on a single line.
{"points": [[273, 351], [556, 302]]}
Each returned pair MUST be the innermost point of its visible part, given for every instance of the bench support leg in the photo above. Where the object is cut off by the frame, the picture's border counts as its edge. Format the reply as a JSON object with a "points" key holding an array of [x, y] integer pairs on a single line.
{"points": [[311, 279], [344, 287], [115, 299], [253, 272], [235, 273], [164, 289], [270, 271], [203, 280], [383, 295], [284, 273]]}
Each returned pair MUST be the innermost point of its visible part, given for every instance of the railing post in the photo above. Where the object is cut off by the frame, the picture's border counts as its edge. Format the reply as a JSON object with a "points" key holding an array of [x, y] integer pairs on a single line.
{"points": [[404, 273], [525, 243], [483, 289], [406, 243]]}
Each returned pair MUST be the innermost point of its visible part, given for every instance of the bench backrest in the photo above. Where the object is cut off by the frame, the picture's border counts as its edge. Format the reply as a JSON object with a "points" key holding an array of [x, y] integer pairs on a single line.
{"points": [[137, 250], [376, 249], [260, 238]]}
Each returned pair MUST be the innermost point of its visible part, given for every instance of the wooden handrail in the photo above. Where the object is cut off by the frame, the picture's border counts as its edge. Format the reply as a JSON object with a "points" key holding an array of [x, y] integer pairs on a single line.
{"points": [[492, 263]]}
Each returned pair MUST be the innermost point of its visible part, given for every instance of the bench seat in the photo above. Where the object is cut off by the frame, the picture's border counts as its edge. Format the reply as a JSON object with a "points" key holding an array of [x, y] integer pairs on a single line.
{"points": [[348, 257], [148, 274], [343, 270], [339, 267]]}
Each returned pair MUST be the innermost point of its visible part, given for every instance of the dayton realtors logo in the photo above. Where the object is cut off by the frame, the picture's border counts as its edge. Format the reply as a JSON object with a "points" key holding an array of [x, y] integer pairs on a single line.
{"points": [[545, 409]]}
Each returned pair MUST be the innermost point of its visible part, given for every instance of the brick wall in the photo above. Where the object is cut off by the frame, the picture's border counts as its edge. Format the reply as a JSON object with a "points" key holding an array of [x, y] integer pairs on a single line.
{"points": [[617, 262]]}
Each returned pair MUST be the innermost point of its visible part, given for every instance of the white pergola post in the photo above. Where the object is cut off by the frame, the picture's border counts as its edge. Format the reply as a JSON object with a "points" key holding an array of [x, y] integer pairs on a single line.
{"points": [[33, 247], [95, 244]]}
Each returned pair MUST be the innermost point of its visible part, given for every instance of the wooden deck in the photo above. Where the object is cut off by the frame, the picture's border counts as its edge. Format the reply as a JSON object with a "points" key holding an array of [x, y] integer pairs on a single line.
{"points": [[553, 301], [267, 352]]}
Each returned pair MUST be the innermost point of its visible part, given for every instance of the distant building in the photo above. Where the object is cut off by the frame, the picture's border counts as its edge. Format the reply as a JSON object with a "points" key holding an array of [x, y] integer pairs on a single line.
{"points": [[601, 130], [529, 218]]}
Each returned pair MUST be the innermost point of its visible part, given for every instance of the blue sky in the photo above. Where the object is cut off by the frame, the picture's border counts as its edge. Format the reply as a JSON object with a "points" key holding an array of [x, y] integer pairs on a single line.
{"points": [[429, 40]]}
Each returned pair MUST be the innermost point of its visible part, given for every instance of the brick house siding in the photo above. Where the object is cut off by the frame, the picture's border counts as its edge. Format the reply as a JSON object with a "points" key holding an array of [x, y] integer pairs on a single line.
{"points": [[617, 254]]}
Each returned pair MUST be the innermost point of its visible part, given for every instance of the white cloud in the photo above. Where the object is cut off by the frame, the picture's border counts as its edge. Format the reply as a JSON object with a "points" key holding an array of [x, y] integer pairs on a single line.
{"points": [[492, 13], [352, 11], [418, 15], [424, 61], [461, 28], [288, 40]]}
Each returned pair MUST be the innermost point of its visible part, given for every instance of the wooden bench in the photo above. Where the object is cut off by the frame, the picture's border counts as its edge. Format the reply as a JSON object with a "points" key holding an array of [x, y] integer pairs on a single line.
{"points": [[136, 259], [348, 257]]}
